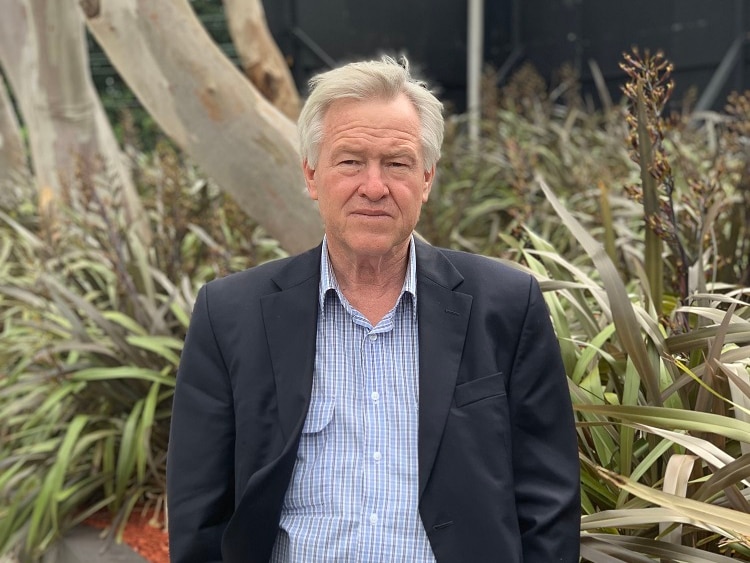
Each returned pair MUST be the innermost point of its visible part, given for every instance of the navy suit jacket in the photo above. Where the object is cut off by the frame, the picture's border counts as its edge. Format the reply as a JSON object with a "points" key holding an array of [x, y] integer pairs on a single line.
{"points": [[498, 456]]}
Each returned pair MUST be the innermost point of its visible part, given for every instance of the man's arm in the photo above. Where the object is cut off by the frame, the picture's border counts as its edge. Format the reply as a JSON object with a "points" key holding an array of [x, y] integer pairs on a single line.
{"points": [[545, 450], [200, 462]]}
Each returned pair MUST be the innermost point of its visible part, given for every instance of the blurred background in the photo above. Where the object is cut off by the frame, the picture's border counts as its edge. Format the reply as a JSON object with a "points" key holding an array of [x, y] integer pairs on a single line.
{"points": [[706, 40]]}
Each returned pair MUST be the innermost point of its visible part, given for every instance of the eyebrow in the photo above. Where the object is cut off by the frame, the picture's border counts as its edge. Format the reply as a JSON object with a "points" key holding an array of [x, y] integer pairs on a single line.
{"points": [[408, 155], [358, 149]]}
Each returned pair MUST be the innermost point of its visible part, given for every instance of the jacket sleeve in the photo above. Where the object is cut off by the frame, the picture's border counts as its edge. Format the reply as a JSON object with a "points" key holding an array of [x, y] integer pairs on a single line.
{"points": [[545, 451], [200, 460]]}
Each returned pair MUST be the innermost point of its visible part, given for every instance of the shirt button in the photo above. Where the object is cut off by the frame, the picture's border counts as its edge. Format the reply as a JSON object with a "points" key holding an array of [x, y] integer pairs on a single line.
{"points": [[373, 337], [375, 396], [377, 456], [373, 518]]}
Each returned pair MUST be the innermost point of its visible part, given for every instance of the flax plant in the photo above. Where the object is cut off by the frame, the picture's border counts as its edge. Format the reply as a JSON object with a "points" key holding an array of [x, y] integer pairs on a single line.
{"points": [[663, 393], [665, 480], [91, 327], [648, 90], [658, 358]]}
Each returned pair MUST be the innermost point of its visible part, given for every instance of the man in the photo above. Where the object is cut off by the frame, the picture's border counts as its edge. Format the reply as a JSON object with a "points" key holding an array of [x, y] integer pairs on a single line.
{"points": [[374, 399]]}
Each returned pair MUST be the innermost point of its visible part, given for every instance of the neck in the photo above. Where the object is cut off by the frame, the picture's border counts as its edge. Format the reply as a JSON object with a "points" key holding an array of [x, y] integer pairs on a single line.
{"points": [[371, 284]]}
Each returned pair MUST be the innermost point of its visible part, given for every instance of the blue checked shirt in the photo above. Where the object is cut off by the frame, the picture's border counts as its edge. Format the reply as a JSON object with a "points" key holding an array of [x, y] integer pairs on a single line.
{"points": [[353, 495]]}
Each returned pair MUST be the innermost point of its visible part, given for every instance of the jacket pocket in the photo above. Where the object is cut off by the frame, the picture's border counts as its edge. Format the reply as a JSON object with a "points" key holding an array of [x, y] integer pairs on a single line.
{"points": [[478, 389]]}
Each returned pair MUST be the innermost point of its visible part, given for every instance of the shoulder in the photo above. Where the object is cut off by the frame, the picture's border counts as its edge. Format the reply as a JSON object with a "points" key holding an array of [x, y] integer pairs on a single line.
{"points": [[268, 277], [257, 275], [502, 295], [478, 270]]}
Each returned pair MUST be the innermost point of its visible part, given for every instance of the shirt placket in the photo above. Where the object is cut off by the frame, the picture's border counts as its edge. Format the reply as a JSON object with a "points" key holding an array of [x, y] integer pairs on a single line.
{"points": [[375, 359]]}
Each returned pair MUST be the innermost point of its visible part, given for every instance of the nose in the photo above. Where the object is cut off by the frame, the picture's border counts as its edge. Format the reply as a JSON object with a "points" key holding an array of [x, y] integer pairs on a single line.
{"points": [[373, 185]]}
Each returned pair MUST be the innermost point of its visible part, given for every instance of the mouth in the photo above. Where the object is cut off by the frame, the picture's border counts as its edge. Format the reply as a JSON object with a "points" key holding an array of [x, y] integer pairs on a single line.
{"points": [[371, 214]]}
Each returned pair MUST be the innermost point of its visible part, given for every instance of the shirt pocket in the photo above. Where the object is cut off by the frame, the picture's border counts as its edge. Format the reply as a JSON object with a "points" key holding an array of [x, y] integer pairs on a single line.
{"points": [[311, 481], [319, 415], [315, 432], [479, 389]]}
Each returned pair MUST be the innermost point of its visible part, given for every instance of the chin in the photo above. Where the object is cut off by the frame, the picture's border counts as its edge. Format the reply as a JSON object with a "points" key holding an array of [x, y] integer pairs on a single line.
{"points": [[374, 246]]}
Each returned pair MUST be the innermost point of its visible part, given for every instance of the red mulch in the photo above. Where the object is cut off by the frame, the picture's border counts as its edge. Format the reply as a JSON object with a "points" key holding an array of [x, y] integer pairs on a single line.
{"points": [[147, 538]]}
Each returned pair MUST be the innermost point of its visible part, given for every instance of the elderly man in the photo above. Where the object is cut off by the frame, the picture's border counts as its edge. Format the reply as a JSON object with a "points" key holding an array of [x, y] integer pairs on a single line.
{"points": [[375, 399]]}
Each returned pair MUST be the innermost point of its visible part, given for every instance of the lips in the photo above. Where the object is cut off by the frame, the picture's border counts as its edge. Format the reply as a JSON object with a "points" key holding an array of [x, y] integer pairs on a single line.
{"points": [[371, 213]]}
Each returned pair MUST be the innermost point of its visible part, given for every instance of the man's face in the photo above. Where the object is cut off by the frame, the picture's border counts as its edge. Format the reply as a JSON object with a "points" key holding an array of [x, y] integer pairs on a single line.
{"points": [[370, 181]]}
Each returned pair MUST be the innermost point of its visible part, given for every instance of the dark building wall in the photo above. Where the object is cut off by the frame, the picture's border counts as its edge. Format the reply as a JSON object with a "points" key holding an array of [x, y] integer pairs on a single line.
{"points": [[694, 34], [432, 33]]}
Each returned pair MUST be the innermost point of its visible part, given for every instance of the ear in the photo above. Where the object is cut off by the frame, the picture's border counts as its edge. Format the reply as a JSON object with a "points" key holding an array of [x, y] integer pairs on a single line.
{"points": [[429, 176], [309, 173]]}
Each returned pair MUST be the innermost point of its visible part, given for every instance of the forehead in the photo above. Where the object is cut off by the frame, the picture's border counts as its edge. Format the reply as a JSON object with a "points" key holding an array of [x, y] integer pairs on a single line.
{"points": [[372, 121]]}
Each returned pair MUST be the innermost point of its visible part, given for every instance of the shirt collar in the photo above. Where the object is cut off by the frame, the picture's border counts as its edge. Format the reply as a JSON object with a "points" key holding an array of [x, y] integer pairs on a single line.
{"points": [[328, 277]]}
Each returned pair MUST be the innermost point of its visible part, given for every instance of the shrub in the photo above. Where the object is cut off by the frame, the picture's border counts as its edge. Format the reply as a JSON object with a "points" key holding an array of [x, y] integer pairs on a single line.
{"points": [[642, 250], [92, 326]]}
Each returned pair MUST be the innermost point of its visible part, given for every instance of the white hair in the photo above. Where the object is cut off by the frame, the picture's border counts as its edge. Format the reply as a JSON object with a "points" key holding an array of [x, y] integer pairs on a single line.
{"points": [[384, 79]]}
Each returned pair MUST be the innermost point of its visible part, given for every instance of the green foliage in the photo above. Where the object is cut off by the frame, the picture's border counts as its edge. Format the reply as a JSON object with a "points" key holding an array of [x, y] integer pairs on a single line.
{"points": [[662, 410], [486, 189], [649, 298], [92, 325]]}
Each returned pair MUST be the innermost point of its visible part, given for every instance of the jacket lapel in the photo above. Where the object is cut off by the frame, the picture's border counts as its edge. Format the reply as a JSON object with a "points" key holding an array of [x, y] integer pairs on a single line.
{"points": [[443, 320], [290, 318]]}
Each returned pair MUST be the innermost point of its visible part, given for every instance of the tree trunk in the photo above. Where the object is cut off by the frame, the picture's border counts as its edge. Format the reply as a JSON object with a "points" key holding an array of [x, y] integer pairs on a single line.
{"points": [[12, 152], [43, 51], [202, 101], [260, 57]]}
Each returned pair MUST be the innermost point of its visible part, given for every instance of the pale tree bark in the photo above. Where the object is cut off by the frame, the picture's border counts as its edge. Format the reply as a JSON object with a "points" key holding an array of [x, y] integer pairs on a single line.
{"points": [[202, 101], [43, 51], [12, 151], [260, 57]]}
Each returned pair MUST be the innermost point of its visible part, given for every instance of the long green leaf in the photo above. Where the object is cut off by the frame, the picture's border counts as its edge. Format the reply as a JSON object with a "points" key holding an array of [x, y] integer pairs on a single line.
{"points": [[45, 512], [731, 523], [655, 548], [627, 326], [122, 372], [670, 419]]}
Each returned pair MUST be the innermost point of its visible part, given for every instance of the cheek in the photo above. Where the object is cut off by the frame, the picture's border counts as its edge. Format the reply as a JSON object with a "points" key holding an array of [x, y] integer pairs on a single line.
{"points": [[329, 207]]}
